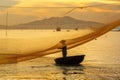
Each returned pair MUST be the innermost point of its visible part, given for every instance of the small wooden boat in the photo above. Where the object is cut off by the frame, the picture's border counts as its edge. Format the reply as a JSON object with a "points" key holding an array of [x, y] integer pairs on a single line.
{"points": [[71, 60]]}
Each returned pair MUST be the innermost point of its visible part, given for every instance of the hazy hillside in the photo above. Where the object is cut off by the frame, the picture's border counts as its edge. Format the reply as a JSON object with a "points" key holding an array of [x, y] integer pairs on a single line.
{"points": [[2, 27], [54, 22]]}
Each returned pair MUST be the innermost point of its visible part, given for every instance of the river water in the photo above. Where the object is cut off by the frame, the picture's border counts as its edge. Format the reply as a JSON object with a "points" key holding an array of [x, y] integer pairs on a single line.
{"points": [[101, 62]]}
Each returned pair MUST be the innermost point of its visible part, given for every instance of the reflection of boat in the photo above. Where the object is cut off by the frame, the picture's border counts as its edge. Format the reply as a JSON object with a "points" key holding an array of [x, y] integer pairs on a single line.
{"points": [[70, 60]]}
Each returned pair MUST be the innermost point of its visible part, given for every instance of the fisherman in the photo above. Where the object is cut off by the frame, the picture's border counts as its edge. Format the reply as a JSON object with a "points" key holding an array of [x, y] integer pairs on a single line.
{"points": [[64, 48]]}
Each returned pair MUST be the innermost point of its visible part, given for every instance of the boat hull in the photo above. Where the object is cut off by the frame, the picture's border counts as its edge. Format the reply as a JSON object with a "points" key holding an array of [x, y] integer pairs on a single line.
{"points": [[71, 60]]}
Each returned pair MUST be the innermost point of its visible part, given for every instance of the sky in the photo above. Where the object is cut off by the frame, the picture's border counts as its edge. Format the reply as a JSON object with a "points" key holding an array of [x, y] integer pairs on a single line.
{"points": [[24, 15]]}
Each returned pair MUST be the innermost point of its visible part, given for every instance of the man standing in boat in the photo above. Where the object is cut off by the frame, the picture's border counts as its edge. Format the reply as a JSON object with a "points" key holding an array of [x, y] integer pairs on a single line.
{"points": [[70, 60], [64, 48]]}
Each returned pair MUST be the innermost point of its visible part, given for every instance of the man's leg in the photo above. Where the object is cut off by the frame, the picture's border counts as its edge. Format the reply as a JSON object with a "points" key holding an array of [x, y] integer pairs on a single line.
{"points": [[64, 51]]}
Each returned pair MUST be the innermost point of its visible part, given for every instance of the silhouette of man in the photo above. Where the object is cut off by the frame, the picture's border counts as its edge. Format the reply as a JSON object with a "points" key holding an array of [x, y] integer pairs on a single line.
{"points": [[64, 48]]}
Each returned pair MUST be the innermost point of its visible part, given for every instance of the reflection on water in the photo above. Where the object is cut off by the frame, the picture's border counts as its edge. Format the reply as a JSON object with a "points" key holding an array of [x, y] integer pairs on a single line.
{"points": [[45, 69], [68, 71], [101, 62]]}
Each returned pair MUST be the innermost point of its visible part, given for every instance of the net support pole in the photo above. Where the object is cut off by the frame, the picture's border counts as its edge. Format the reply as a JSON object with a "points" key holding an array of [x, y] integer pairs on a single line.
{"points": [[6, 32]]}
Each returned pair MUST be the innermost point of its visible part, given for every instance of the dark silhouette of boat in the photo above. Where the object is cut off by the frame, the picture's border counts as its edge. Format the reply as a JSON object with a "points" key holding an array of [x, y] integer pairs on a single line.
{"points": [[58, 29], [71, 60]]}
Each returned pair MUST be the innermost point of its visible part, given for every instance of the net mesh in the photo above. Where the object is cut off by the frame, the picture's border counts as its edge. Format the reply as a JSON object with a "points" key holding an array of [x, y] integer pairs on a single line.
{"points": [[31, 32]]}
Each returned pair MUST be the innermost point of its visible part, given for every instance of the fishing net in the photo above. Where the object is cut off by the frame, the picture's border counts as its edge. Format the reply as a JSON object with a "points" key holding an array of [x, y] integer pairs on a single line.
{"points": [[31, 32]]}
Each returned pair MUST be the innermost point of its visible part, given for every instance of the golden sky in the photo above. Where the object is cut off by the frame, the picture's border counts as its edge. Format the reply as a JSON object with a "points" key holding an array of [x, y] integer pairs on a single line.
{"points": [[36, 2], [22, 15]]}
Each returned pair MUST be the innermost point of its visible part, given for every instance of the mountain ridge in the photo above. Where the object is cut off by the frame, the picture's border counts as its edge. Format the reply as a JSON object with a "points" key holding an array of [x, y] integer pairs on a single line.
{"points": [[65, 22]]}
